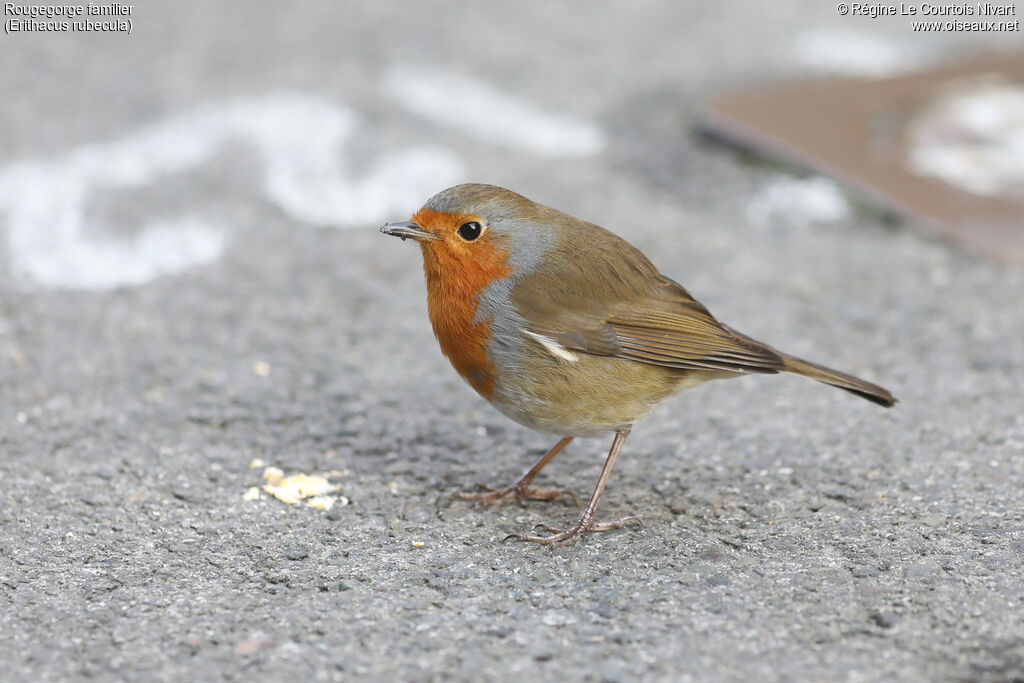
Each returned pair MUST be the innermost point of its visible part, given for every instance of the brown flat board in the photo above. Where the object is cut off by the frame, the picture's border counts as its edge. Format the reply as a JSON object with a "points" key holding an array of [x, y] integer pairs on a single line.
{"points": [[855, 131]]}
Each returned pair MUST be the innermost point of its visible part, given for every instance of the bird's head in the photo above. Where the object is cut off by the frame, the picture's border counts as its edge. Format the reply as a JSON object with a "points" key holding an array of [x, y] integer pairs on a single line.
{"points": [[472, 235]]}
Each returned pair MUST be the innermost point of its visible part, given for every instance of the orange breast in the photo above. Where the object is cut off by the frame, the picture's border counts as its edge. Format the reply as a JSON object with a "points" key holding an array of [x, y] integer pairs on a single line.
{"points": [[456, 275]]}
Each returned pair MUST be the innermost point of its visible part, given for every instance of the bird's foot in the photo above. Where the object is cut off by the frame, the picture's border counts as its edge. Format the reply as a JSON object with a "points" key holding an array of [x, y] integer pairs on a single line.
{"points": [[572, 535], [491, 496]]}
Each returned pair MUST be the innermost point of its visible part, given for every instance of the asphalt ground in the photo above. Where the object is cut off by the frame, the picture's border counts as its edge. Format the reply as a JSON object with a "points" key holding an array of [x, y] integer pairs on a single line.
{"points": [[184, 293]]}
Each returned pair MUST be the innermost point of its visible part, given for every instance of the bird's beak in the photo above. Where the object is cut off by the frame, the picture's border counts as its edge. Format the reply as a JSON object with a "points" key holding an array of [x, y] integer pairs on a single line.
{"points": [[407, 229]]}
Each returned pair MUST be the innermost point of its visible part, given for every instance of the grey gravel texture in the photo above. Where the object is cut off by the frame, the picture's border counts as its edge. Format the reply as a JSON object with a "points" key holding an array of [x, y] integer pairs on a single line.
{"points": [[791, 532]]}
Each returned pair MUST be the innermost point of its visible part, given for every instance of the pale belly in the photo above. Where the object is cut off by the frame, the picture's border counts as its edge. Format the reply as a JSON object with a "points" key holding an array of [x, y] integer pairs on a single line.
{"points": [[590, 396]]}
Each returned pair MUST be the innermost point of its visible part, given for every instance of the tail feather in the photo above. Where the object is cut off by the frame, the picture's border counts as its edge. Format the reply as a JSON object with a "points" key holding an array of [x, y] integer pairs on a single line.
{"points": [[854, 385]]}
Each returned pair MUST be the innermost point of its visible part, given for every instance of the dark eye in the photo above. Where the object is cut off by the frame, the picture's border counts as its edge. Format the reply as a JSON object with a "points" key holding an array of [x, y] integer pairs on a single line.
{"points": [[470, 231]]}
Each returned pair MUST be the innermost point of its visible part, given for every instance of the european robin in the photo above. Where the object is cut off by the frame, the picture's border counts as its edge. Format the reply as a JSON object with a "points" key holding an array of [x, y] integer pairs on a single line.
{"points": [[568, 329]]}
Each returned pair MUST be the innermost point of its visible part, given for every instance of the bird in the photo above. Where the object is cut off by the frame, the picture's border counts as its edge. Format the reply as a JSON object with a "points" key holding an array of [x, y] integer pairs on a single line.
{"points": [[569, 330]]}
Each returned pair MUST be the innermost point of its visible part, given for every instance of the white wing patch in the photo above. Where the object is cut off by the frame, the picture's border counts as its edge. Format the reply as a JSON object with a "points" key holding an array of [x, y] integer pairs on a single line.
{"points": [[552, 347]]}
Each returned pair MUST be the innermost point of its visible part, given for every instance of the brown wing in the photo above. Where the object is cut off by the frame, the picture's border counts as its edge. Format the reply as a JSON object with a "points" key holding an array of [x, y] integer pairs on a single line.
{"points": [[672, 329], [624, 308], [667, 328], [597, 294]]}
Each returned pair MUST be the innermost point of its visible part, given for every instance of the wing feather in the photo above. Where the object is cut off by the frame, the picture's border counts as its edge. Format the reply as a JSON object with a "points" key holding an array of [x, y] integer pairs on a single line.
{"points": [[607, 299], [664, 327]]}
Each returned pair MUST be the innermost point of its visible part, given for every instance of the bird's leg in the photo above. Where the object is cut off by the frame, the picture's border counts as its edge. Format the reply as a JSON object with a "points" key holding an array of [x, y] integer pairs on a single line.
{"points": [[586, 523], [522, 488]]}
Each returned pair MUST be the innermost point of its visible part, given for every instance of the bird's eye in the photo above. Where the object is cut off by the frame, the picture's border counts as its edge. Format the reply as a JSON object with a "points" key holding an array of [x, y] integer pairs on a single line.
{"points": [[470, 231]]}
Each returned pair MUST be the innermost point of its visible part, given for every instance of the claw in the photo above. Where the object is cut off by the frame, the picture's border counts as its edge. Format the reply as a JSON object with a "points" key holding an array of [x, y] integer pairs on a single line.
{"points": [[522, 489], [572, 535], [616, 524], [491, 496]]}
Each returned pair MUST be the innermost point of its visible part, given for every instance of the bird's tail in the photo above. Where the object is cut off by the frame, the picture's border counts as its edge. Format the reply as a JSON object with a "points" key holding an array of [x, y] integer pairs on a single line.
{"points": [[854, 385]]}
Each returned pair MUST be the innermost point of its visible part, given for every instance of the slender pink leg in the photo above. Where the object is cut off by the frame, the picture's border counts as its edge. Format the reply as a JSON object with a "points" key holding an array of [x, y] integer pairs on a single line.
{"points": [[586, 523], [522, 489]]}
